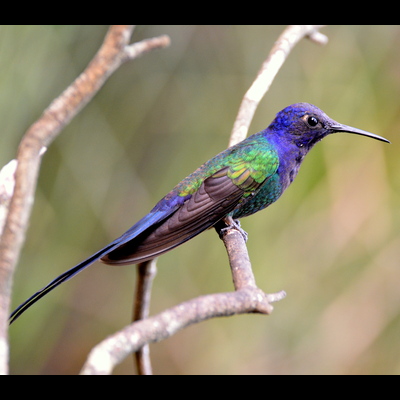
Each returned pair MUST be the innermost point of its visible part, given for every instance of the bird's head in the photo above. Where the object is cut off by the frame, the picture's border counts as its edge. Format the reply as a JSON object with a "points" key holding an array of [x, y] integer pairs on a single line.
{"points": [[305, 124]]}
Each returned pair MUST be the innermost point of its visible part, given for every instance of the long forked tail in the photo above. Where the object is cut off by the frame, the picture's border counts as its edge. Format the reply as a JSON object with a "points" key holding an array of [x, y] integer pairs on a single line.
{"points": [[130, 235], [58, 281]]}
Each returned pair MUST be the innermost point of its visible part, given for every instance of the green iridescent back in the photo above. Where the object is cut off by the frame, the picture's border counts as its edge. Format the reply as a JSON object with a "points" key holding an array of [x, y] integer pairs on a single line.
{"points": [[251, 165]]}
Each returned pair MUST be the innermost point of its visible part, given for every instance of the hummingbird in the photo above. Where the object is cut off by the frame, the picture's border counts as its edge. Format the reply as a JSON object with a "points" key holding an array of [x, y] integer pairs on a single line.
{"points": [[238, 182]]}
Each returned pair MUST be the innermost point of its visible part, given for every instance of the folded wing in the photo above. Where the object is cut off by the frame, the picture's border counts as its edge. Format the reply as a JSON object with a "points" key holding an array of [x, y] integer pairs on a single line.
{"points": [[216, 197]]}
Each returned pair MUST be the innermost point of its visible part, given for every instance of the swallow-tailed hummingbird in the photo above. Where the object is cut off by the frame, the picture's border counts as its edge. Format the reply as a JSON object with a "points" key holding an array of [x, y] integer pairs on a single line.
{"points": [[238, 182]]}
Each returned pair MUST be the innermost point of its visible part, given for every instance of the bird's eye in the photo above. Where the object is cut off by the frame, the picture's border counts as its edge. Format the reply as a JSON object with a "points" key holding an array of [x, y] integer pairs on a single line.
{"points": [[312, 122]]}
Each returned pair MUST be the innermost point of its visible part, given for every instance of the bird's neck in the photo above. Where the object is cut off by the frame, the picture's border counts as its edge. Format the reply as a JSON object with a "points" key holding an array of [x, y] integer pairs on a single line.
{"points": [[291, 156]]}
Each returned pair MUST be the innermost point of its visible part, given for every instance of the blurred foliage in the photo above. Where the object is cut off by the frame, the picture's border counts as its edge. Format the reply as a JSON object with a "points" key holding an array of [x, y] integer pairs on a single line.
{"points": [[332, 241]]}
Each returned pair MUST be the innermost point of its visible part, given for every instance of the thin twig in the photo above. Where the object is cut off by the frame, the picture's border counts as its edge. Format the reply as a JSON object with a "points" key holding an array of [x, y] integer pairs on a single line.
{"points": [[146, 273], [270, 67]]}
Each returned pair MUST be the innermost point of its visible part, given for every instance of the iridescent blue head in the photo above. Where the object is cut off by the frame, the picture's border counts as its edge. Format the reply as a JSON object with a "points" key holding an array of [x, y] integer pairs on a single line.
{"points": [[305, 124]]}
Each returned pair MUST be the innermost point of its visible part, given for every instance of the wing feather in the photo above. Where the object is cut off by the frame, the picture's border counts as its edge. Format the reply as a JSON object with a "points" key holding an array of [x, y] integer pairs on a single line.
{"points": [[216, 197]]}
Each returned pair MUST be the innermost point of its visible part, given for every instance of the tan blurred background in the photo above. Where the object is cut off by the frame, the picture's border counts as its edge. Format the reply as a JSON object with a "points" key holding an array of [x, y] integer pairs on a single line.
{"points": [[332, 242]]}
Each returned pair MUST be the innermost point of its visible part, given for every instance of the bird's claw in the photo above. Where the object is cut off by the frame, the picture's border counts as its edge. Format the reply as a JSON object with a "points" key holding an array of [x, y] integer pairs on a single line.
{"points": [[233, 224]]}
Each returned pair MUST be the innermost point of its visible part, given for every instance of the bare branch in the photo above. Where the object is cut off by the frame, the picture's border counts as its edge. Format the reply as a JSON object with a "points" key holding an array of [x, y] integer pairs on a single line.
{"points": [[7, 183], [247, 298], [113, 52], [145, 276], [139, 48], [106, 355], [288, 39]]}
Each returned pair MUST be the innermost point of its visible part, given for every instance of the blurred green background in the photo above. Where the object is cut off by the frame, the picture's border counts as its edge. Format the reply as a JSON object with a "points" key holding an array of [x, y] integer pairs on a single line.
{"points": [[332, 242]]}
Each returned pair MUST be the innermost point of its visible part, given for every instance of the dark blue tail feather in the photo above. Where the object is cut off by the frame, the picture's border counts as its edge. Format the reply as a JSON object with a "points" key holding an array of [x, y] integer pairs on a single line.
{"points": [[142, 225]]}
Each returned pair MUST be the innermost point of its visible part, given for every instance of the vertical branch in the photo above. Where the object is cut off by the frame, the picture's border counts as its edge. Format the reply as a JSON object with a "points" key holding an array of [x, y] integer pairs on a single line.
{"points": [[7, 183], [146, 272], [237, 251]]}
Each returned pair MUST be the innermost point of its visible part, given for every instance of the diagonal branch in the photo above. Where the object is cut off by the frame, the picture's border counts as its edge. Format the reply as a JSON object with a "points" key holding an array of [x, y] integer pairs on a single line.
{"points": [[270, 67], [103, 358], [114, 51]]}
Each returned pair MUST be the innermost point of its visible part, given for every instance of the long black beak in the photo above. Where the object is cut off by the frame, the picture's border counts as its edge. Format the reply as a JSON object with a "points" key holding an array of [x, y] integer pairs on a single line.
{"points": [[349, 129]]}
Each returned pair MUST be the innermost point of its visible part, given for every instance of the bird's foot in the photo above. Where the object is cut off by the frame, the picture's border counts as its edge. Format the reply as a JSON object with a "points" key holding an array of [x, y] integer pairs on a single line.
{"points": [[231, 223]]}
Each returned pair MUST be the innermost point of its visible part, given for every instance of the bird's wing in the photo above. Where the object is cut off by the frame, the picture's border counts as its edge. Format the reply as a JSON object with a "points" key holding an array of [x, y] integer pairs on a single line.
{"points": [[164, 228], [246, 168], [216, 197]]}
